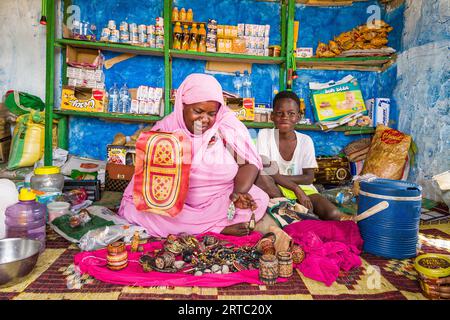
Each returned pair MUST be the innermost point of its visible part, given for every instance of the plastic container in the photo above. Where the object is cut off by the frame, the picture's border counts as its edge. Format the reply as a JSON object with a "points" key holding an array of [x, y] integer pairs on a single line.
{"points": [[26, 219], [394, 232], [47, 179], [57, 209], [431, 267]]}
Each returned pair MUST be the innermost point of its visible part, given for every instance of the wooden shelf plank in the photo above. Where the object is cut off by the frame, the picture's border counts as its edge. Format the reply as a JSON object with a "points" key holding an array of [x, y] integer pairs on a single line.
{"points": [[312, 127], [225, 57], [116, 47], [110, 116], [346, 63]]}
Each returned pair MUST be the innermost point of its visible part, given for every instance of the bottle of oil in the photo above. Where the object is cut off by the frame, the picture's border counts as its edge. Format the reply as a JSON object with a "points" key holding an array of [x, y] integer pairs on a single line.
{"points": [[190, 15], [177, 36], [193, 44], [186, 38], [202, 38], [182, 14], [175, 14]]}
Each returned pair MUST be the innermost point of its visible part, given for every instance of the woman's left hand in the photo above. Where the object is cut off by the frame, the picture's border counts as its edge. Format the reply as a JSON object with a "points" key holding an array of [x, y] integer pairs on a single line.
{"points": [[243, 201]]}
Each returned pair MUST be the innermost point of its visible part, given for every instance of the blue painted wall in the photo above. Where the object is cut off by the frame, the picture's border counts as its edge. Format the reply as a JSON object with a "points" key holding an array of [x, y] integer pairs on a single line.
{"points": [[423, 88], [88, 137]]}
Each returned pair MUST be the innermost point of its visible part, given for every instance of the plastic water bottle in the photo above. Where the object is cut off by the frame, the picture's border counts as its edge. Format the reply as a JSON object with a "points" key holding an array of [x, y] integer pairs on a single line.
{"points": [[26, 219], [114, 99], [247, 85], [124, 99], [237, 83]]}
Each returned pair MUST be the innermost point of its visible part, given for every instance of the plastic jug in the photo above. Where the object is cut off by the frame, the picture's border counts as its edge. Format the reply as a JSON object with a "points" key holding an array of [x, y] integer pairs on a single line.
{"points": [[26, 219]]}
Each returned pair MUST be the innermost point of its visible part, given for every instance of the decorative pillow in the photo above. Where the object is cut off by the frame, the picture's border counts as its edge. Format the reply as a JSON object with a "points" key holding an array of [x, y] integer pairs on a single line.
{"points": [[161, 181]]}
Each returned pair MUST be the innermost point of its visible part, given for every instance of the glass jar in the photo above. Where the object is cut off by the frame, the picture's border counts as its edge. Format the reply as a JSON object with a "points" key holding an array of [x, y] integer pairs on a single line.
{"points": [[47, 179]]}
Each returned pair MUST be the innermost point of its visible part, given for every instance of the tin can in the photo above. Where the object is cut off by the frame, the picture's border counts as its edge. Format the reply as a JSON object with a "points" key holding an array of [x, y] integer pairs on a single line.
{"points": [[297, 254], [160, 22], [159, 42], [132, 28], [285, 268], [112, 24], [268, 269], [106, 33], [142, 38], [115, 36], [124, 26], [150, 29], [124, 36], [142, 28]]}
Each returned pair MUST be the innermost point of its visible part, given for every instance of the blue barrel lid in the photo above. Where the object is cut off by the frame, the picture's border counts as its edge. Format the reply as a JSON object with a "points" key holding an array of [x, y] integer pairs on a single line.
{"points": [[395, 188]]}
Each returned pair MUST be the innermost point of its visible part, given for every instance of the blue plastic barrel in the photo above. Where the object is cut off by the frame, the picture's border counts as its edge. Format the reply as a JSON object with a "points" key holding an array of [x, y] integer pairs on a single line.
{"points": [[394, 232]]}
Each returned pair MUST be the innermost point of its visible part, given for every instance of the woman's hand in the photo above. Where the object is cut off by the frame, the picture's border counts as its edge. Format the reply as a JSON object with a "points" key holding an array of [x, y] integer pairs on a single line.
{"points": [[303, 199], [243, 201], [443, 290]]}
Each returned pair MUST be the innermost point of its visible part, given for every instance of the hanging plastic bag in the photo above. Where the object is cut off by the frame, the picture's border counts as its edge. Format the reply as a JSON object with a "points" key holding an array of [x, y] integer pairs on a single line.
{"points": [[27, 145]]}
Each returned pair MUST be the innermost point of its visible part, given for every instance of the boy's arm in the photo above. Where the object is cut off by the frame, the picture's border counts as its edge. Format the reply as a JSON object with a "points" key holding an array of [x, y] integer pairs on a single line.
{"points": [[304, 179]]}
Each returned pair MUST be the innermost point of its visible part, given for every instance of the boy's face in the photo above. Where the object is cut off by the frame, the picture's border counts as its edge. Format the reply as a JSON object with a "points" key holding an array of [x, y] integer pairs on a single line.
{"points": [[285, 115]]}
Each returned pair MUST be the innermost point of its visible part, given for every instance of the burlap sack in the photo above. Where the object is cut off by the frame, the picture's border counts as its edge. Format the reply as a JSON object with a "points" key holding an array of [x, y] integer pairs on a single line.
{"points": [[388, 153]]}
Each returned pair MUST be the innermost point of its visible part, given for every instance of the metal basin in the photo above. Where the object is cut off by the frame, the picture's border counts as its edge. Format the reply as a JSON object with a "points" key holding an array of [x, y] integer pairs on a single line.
{"points": [[17, 259]]}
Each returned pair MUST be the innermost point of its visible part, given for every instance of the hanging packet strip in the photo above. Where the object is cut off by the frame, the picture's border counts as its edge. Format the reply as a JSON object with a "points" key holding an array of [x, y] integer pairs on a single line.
{"points": [[334, 100], [161, 181]]}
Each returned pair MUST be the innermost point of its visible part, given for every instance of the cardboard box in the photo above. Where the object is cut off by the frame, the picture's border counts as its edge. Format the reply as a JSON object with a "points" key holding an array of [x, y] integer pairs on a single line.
{"points": [[243, 108], [304, 52], [84, 58], [83, 99], [124, 155], [378, 111], [5, 145]]}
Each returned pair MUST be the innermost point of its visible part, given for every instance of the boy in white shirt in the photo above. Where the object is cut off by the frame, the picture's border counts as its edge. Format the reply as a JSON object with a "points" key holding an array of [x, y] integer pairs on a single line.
{"points": [[289, 159]]}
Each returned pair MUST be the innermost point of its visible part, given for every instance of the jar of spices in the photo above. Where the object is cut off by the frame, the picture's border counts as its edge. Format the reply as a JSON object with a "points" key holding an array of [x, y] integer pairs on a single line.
{"points": [[268, 269], [285, 268]]}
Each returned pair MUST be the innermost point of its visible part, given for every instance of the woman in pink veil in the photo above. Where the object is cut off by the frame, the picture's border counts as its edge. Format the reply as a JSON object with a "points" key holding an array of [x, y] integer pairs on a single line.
{"points": [[224, 167]]}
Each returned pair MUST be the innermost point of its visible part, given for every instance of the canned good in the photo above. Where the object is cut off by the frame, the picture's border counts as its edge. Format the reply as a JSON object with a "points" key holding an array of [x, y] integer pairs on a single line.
{"points": [[124, 36], [106, 32], [132, 27], [159, 42], [112, 24], [124, 26], [160, 22], [115, 36], [150, 29], [159, 31], [142, 38], [142, 28]]}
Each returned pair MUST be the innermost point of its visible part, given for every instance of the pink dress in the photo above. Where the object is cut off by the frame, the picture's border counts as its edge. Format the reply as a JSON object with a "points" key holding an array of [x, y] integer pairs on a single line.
{"points": [[212, 172]]}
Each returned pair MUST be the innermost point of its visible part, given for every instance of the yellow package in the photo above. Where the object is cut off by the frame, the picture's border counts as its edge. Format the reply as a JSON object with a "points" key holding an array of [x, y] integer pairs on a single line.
{"points": [[27, 145], [334, 100]]}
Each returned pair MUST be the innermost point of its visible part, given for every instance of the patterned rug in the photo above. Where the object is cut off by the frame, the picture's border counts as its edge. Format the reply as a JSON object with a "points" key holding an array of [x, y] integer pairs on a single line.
{"points": [[377, 279]]}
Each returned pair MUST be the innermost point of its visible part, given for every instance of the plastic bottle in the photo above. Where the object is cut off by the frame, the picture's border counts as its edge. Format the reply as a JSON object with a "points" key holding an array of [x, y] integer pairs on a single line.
{"points": [[190, 15], [237, 83], [186, 37], [193, 43], [246, 85], [182, 15], [177, 36], [26, 219], [175, 14], [202, 38], [114, 99], [124, 99]]}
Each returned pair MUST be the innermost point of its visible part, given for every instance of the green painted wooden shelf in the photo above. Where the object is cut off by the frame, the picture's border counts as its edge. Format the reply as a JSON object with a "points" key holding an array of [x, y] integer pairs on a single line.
{"points": [[110, 116], [347, 63], [116, 47], [225, 57]]}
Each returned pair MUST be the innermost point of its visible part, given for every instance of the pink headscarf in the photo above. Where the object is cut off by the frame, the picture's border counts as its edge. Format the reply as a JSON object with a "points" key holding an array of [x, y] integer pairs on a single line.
{"points": [[199, 88]]}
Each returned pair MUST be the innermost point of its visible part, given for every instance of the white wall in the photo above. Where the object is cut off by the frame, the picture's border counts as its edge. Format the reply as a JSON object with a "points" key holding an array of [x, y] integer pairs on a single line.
{"points": [[22, 47]]}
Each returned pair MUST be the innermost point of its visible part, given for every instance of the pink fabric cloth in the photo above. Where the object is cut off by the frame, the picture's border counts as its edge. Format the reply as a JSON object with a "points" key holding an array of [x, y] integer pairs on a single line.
{"points": [[329, 246], [212, 171], [94, 264]]}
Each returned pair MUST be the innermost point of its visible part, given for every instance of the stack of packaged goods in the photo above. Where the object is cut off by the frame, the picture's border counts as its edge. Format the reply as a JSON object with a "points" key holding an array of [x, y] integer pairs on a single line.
{"points": [[248, 39], [211, 37], [140, 35], [147, 100], [86, 78]]}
